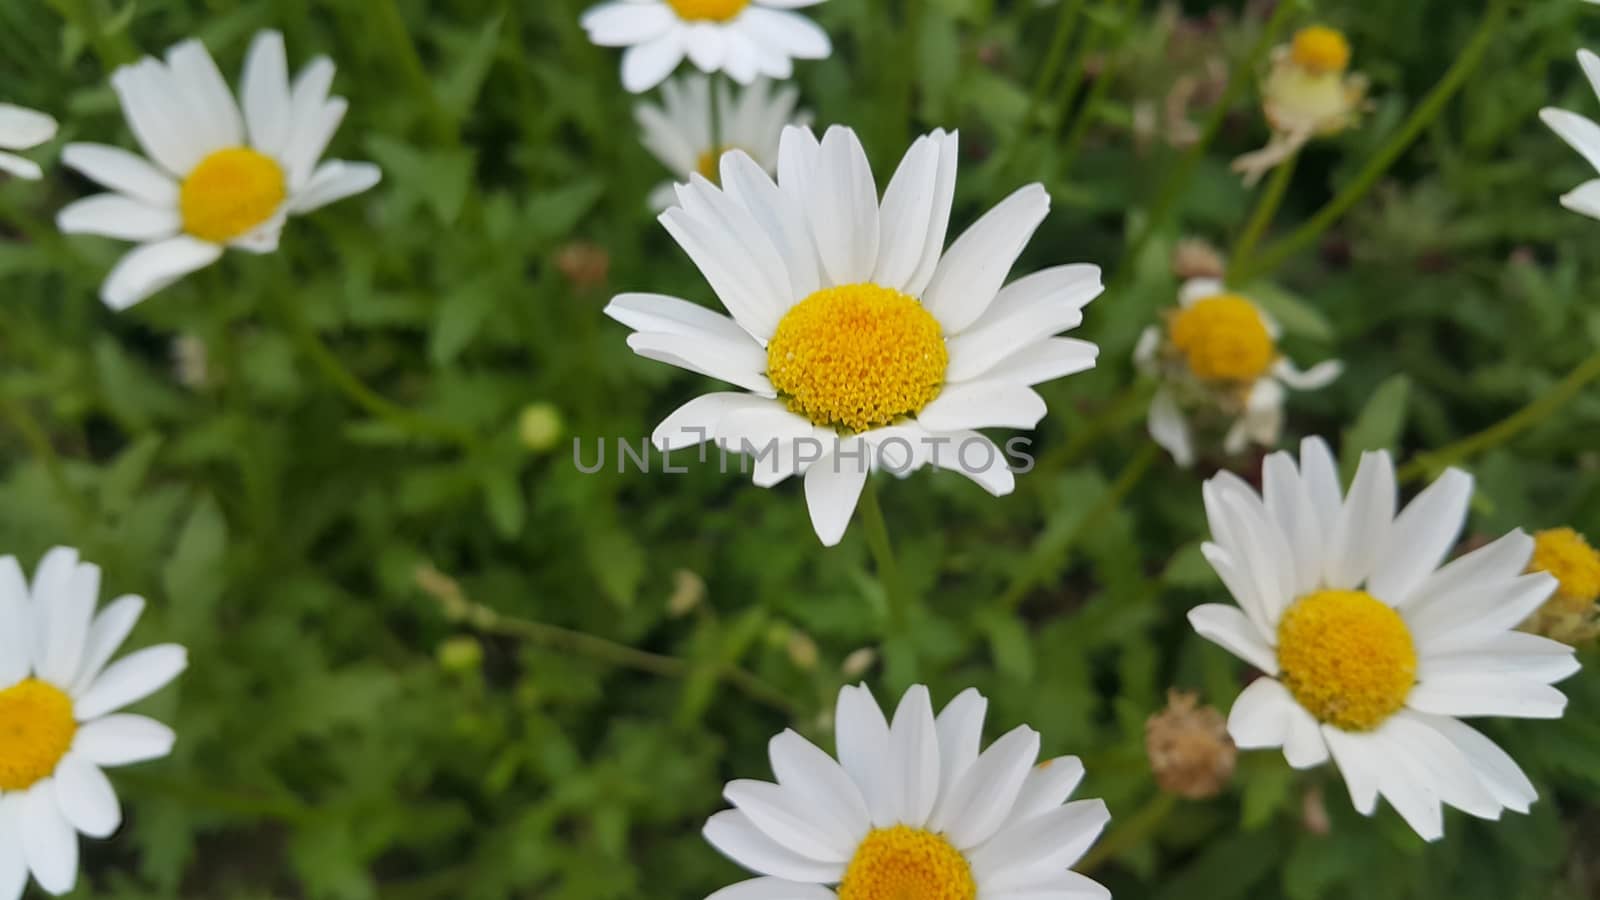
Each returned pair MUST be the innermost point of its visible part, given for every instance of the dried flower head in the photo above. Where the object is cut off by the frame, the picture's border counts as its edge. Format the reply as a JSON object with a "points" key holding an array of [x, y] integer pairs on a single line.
{"points": [[1190, 751]]}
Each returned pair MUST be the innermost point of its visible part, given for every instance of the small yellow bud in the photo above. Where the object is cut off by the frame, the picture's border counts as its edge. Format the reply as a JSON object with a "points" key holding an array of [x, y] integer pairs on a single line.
{"points": [[539, 426], [688, 592], [1320, 49], [802, 650], [459, 654], [857, 663]]}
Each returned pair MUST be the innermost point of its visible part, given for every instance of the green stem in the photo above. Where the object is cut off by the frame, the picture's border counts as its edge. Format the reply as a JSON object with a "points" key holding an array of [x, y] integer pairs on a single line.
{"points": [[1420, 119], [582, 643], [1126, 408], [883, 557], [1052, 545], [714, 86], [334, 370], [1135, 831], [1075, 75], [250, 805], [1091, 106], [1262, 217], [112, 50], [1066, 23], [1172, 189], [1428, 464], [392, 26]]}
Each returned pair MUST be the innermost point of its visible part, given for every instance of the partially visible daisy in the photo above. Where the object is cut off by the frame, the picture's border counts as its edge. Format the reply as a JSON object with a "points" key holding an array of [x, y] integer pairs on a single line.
{"points": [[744, 38], [1306, 94], [679, 131], [216, 178], [59, 725], [858, 341], [1584, 136], [1217, 360], [23, 129], [910, 809], [1571, 615], [1371, 651]]}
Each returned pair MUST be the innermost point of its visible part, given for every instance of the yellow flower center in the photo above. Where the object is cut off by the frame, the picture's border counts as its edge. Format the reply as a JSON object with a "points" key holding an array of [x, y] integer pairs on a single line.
{"points": [[1320, 49], [710, 163], [1223, 338], [36, 730], [1347, 657], [712, 10], [857, 357], [230, 193], [1565, 554], [902, 863]]}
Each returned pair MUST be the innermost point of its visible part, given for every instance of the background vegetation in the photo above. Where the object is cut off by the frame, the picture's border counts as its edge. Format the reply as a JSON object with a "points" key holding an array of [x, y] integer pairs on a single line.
{"points": [[373, 580]]}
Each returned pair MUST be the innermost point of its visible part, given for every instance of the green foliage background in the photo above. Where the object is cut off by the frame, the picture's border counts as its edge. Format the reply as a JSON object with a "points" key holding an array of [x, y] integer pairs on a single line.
{"points": [[329, 750]]}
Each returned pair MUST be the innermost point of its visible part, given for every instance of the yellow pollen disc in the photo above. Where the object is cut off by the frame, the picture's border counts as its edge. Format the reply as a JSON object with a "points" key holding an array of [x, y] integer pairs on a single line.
{"points": [[1347, 658], [712, 10], [710, 164], [902, 863], [36, 730], [1223, 338], [1565, 554], [1320, 49], [230, 193], [857, 357]]}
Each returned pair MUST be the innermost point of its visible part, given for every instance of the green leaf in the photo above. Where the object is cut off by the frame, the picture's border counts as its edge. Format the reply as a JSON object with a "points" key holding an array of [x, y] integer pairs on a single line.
{"points": [[1297, 316], [1380, 424]]}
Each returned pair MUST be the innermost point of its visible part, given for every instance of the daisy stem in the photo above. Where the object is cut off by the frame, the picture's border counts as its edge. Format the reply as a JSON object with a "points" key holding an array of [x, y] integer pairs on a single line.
{"points": [[1130, 833], [365, 397], [1423, 116], [1266, 209], [1044, 559], [888, 569], [1177, 182], [284, 809], [1542, 407], [1091, 104], [1065, 24], [715, 88], [582, 643]]}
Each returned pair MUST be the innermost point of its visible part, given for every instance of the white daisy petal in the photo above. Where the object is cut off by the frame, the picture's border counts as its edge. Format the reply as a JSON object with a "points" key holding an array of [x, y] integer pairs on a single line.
{"points": [[13, 862], [771, 809], [805, 771], [1169, 428], [960, 730], [1498, 772], [116, 216], [1229, 628], [1513, 654], [833, 485], [156, 116], [695, 422], [214, 114], [983, 404], [86, 798], [645, 65], [1584, 199], [149, 268], [862, 733], [773, 889], [1488, 695], [24, 129], [736, 363], [1286, 498], [48, 841], [975, 457], [1363, 528], [625, 24], [1477, 613], [264, 89], [1581, 133], [111, 627], [983, 798], [131, 679], [844, 209], [944, 195], [733, 834], [1407, 784], [67, 615], [914, 741], [1500, 561], [333, 181], [973, 269], [1360, 758], [16, 641], [1054, 840], [907, 208], [1430, 523], [121, 740], [1453, 777], [1047, 786], [123, 172], [1260, 718], [15, 165], [1043, 361]]}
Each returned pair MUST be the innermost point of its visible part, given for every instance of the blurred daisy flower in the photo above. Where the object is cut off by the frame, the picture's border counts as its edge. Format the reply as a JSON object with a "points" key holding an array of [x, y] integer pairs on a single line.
{"points": [[744, 38], [1372, 652], [858, 341], [215, 178], [58, 715], [22, 129], [1217, 359], [678, 132], [1584, 136], [1570, 615], [910, 809], [1306, 94]]}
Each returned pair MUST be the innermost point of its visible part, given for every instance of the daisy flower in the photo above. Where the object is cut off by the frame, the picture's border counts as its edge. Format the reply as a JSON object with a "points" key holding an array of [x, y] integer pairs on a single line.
{"points": [[910, 809], [58, 715], [1307, 94], [1571, 615], [678, 132], [858, 342], [744, 38], [22, 129], [1218, 356], [1373, 652], [216, 177], [1584, 136]]}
